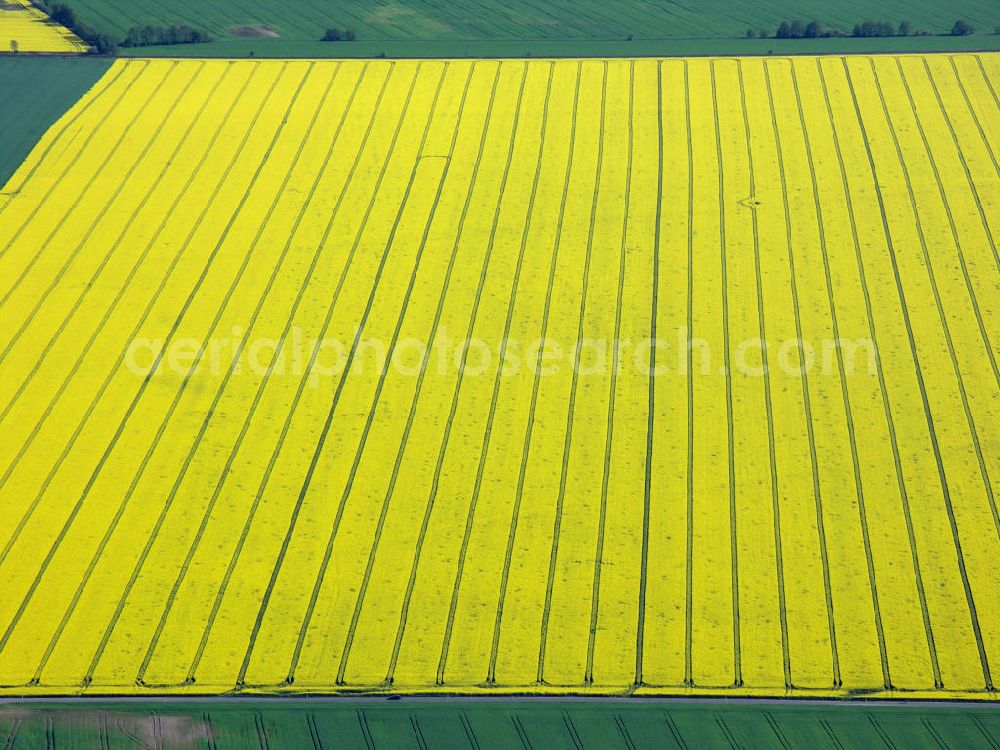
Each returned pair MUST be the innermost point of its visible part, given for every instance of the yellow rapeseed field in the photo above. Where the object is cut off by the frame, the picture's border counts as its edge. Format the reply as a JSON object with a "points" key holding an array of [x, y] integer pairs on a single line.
{"points": [[23, 23], [666, 376]]}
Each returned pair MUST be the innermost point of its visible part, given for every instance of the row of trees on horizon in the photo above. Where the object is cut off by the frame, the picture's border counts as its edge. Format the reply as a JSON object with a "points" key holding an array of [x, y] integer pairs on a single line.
{"points": [[815, 30]]}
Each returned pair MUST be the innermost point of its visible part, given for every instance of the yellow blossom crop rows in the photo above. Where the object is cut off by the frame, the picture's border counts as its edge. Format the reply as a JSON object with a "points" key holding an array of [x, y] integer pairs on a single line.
{"points": [[30, 28], [506, 376]]}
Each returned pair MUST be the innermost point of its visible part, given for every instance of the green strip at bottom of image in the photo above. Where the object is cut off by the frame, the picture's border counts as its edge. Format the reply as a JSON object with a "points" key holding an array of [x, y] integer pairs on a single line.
{"points": [[426, 724]]}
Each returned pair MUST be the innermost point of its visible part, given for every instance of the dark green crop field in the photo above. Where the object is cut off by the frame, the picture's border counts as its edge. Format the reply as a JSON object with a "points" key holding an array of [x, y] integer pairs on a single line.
{"points": [[34, 92], [539, 27], [496, 48], [485, 725]]}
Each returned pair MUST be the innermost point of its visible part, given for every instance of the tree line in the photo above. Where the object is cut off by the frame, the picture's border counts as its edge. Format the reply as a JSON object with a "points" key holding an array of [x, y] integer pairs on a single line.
{"points": [[137, 36], [150, 36], [101, 43], [815, 30]]}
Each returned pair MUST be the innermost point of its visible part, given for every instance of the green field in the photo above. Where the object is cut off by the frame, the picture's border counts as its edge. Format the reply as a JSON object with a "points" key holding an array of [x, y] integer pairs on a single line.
{"points": [[34, 93], [537, 27], [484, 725], [528, 19]]}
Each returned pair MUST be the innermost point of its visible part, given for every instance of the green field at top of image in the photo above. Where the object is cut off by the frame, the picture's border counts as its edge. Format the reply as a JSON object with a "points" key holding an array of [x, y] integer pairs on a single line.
{"points": [[34, 93], [539, 27]]}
